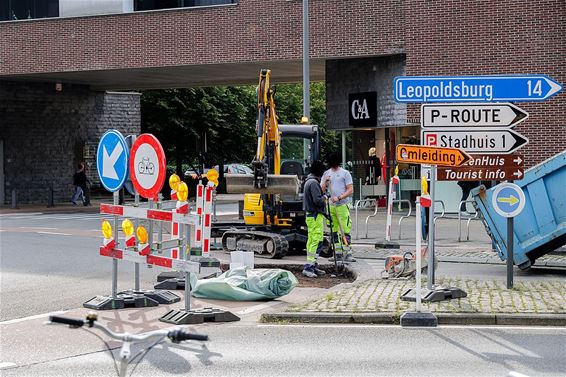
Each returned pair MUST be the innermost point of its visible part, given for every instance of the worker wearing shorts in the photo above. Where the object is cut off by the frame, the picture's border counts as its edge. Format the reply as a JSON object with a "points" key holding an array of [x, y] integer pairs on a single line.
{"points": [[337, 183]]}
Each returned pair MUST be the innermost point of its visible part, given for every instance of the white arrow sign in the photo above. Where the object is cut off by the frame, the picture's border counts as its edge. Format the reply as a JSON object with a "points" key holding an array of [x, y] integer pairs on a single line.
{"points": [[108, 161], [471, 115], [475, 141]]}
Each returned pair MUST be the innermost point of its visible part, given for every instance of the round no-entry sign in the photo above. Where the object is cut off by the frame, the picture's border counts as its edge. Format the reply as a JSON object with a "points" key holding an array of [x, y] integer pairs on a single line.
{"points": [[147, 166]]}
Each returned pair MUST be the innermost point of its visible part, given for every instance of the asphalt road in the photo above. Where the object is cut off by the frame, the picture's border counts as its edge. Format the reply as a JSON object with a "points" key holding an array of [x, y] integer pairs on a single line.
{"points": [[293, 350], [50, 262]]}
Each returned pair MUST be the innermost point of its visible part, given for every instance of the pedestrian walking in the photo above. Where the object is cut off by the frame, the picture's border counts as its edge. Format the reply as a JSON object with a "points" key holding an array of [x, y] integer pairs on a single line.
{"points": [[337, 182], [80, 181], [314, 206]]}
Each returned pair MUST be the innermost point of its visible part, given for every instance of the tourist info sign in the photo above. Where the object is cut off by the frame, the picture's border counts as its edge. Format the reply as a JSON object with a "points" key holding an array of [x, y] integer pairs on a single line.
{"points": [[418, 154], [444, 115], [483, 141], [526, 88], [485, 167]]}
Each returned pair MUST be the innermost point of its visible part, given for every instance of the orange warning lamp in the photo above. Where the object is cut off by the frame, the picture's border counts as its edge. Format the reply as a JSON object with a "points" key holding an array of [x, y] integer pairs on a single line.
{"points": [[174, 181], [141, 233], [106, 229], [127, 227], [212, 176], [182, 191], [304, 120]]}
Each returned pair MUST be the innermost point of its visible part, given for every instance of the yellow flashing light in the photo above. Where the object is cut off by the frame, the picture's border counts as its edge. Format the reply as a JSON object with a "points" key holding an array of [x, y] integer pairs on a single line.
{"points": [[106, 229], [174, 181], [182, 191], [127, 227], [141, 233], [424, 185], [304, 120]]}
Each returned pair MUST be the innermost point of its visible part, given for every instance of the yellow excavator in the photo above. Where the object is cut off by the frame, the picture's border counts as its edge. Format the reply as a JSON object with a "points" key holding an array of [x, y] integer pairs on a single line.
{"points": [[274, 221]]}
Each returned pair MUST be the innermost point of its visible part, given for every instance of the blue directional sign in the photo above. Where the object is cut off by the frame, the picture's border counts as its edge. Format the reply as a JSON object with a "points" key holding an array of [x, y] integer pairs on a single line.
{"points": [[527, 88], [112, 160], [508, 199]]}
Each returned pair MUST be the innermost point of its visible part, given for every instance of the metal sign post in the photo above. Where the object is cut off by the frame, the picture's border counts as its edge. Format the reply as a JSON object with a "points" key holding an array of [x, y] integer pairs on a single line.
{"points": [[136, 265], [418, 229], [510, 258], [508, 200], [116, 197], [430, 269]]}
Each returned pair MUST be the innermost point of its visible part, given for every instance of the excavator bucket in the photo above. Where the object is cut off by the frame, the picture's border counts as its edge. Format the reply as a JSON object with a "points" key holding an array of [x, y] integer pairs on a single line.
{"points": [[276, 184]]}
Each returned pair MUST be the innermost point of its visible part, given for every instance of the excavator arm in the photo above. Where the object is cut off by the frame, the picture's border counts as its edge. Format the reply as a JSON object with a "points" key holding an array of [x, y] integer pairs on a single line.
{"points": [[266, 178], [268, 153]]}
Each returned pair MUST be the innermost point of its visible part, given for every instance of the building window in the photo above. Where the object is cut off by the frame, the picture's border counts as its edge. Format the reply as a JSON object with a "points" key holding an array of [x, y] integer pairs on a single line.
{"points": [[27, 9], [168, 4]]}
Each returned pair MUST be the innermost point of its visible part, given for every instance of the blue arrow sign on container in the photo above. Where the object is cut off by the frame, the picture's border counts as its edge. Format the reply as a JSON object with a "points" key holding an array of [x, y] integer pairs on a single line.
{"points": [[112, 160], [527, 88], [508, 199]]}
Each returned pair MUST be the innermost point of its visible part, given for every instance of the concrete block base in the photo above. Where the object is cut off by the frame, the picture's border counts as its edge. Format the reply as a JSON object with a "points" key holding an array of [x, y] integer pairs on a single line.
{"points": [[418, 319]]}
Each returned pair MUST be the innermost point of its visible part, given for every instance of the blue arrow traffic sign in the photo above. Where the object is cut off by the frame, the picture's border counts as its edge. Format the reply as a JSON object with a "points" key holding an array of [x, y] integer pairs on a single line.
{"points": [[508, 199], [410, 89], [112, 160]]}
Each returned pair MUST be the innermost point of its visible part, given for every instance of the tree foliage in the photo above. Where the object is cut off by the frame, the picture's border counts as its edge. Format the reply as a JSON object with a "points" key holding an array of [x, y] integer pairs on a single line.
{"points": [[179, 118]]}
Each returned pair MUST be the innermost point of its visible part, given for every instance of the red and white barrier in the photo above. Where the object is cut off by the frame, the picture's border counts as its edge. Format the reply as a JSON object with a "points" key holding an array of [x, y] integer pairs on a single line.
{"points": [[176, 264], [392, 182], [199, 206], [148, 214], [207, 220]]}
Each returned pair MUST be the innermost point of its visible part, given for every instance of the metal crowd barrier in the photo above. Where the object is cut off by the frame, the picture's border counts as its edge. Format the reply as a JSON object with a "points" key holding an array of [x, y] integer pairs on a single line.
{"points": [[443, 211], [402, 217], [468, 218], [357, 205]]}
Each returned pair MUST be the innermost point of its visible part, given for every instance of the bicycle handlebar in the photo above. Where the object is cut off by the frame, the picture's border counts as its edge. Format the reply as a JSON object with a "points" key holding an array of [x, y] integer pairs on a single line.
{"points": [[176, 335], [67, 321]]}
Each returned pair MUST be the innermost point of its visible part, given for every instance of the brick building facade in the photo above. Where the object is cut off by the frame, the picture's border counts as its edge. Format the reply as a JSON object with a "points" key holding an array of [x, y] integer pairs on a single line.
{"points": [[228, 44]]}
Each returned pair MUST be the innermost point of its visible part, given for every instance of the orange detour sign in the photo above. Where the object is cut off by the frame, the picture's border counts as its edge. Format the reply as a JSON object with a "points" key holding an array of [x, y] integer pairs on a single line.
{"points": [[420, 154]]}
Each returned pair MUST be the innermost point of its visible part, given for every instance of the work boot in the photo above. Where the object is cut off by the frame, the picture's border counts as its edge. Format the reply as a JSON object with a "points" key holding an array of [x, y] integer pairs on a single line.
{"points": [[318, 271], [309, 271]]}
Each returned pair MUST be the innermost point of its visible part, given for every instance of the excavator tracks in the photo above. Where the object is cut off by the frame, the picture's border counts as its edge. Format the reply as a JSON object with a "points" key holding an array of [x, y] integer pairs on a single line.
{"points": [[264, 244]]}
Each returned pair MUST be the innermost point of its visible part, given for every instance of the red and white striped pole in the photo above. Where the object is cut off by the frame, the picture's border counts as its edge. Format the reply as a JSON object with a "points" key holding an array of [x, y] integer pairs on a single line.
{"points": [[199, 207], [207, 220], [392, 182]]}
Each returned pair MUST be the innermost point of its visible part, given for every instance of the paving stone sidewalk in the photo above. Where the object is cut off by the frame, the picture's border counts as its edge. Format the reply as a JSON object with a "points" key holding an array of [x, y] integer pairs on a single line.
{"points": [[460, 255], [484, 296]]}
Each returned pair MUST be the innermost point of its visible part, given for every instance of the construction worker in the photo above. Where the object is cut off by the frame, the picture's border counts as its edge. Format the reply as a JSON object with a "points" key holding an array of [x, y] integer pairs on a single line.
{"points": [[337, 182], [314, 203]]}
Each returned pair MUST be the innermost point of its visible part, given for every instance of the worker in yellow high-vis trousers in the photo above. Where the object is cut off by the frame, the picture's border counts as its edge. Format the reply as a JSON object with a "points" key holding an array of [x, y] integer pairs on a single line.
{"points": [[314, 203], [338, 183]]}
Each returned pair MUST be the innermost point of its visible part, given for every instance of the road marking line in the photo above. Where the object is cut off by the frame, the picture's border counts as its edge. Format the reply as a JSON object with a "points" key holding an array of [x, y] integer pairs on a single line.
{"points": [[6, 364], [20, 214], [516, 374], [55, 233], [440, 327], [36, 227], [30, 318]]}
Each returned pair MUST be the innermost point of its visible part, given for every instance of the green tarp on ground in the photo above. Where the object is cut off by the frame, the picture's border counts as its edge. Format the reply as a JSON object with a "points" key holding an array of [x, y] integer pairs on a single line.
{"points": [[245, 284]]}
